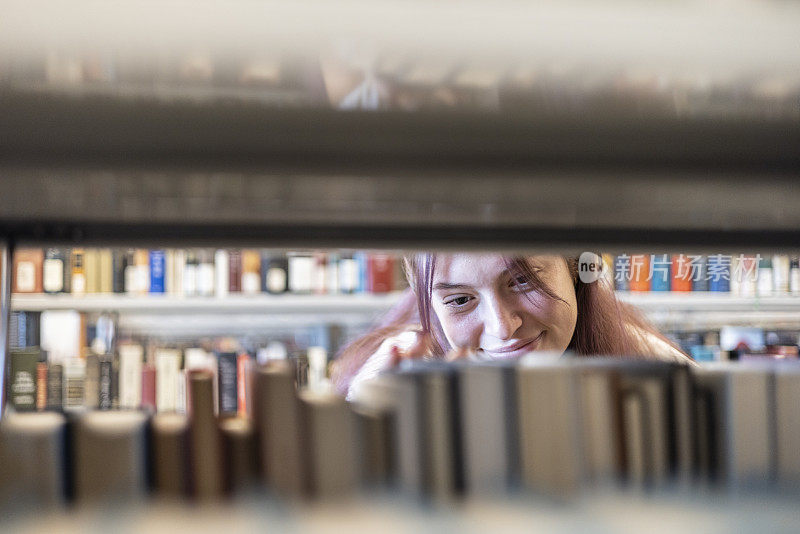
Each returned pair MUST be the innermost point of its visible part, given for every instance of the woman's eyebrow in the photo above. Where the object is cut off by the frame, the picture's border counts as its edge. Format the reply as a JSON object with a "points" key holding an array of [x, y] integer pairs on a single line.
{"points": [[447, 285]]}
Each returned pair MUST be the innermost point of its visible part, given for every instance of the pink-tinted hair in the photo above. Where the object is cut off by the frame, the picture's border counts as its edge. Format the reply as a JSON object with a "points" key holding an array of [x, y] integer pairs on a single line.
{"points": [[604, 327]]}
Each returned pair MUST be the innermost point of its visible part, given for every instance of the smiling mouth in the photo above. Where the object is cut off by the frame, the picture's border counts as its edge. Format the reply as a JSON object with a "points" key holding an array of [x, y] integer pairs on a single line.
{"points": [[517, 349]]}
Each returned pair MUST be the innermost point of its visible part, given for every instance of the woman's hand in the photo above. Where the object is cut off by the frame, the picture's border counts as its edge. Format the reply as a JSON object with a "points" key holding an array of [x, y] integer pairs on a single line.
{"points": [[419, 349]]}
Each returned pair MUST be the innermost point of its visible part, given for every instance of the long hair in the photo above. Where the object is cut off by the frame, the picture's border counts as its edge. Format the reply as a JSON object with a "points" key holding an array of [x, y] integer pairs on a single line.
{"points": [[604, 327]]}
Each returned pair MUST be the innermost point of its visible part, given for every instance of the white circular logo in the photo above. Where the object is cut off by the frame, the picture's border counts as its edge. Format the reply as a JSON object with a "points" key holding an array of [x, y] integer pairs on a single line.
{"points": [[590, 267]]}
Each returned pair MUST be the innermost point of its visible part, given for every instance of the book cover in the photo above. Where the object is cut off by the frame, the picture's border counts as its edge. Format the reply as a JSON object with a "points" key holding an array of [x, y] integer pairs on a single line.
{"points": [[274, 273], [53, 270], [235, 271], [22, 383], [227, 383], [41, 386], [168, 365], [380, 273], [27, 270], [131, 360], [148, 388], [640, 272], [91, 263], [221, 275], [251, 272], [55, 386], [106, 267], [158, 266]]}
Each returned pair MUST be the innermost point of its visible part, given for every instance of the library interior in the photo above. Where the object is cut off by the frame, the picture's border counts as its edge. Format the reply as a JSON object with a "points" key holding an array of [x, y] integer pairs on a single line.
{"points": [[315, 266]]}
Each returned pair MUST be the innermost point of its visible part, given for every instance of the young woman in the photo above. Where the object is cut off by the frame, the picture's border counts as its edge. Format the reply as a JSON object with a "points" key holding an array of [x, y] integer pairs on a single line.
{"points": [[495, 307]]}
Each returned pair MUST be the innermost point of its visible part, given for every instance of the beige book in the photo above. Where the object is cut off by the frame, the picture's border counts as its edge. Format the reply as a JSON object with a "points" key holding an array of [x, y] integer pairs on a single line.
{"points": [[106, 268]]}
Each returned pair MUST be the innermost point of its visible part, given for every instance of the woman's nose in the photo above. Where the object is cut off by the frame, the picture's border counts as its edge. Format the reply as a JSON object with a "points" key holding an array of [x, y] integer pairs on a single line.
{"points": [[501, 320]]}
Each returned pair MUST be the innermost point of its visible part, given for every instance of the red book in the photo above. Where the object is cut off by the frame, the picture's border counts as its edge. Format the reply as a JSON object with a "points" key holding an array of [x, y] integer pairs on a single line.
{"points": [[640, 272], [681, 273], [149, 387], [235, 271], [380, 273], [242, 387]]}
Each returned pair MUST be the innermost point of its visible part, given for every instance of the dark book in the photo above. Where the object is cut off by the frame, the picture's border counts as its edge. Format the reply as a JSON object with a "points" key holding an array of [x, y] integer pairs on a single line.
{"points": [[239, 454], [235, 271], [22, 382], [170, 463], [376, 439], [206, 460], [110, 457], [277, 421], [24, 329], [105, 401], [119, 262], [274, 273], [55, 387], [32, 460], [227, 383]]}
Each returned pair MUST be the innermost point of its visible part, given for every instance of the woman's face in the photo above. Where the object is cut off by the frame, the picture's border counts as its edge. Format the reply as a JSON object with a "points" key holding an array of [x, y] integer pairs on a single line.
{"points": [[480, 307]]}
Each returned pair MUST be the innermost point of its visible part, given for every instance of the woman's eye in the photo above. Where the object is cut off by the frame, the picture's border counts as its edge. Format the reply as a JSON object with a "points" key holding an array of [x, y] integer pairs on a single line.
{"points": [[458, 301]]}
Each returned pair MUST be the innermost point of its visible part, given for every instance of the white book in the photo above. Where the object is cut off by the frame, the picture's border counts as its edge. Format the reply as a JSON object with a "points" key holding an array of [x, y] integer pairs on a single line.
{"points": [[221, 267], [301, 273], [180, 392], [168, 365], [131, 358]]}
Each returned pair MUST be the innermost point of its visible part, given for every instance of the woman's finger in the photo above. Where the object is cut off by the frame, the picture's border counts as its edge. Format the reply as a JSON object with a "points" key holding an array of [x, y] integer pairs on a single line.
{"points": [[420, 348]]}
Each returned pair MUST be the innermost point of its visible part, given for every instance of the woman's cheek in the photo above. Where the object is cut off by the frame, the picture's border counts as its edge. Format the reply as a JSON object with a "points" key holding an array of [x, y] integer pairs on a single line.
{"points": [[461, 330]]}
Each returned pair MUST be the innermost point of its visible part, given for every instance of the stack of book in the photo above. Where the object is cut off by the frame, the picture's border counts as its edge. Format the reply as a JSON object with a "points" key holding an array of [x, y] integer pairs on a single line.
{"points": [[554, 426], [203, 272]]}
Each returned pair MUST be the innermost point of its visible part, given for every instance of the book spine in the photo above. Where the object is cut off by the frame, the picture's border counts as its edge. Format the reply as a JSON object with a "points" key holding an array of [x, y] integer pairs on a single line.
{"points": [[130, 376], [235, 271], [222, 278], [170, 442], [700, 282], [148, 387], [27, 271], [319, 274], [205, 274], [640, 273], [794, 276], [118, 270], [23, 379], [227, 383], [91, 261], [719, 273], [622, 273], [348, 275], [53, 271], [681, 273], [661, 273], [243, 362], [105, 395], [167, 369], [158, 265], [251, 272], [74, 377], [41, 386], [301, 269], [91, 385], [106, 267], [381, 273], [275, 274], [190, 274], [205, 460], [55, 387], [781, 267]]}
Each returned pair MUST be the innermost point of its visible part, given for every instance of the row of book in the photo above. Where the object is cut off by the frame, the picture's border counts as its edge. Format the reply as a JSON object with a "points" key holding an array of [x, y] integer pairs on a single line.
{"points": [[744, 275], [153, 379], [555, 426], [202, 272]]}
